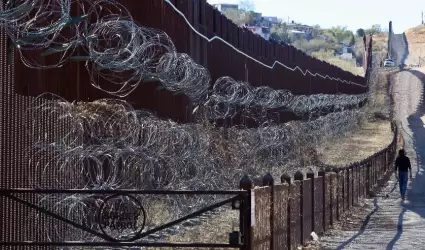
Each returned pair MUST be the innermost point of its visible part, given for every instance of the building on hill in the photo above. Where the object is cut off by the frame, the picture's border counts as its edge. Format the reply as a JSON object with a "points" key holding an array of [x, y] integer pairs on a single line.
{"points": [[300, 27], [347, 49], [296, 34], [256, 19], [223, 7], [263, 31], [346, 52], [272, 19]]}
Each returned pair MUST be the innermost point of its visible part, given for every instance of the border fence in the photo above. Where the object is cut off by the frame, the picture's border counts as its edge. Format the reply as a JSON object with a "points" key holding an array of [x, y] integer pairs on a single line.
{"points": [[213, 41], [264, 211]]}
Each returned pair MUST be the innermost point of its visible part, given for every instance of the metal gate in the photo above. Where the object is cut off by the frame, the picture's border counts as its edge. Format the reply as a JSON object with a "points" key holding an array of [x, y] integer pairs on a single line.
{"points": [[119, 217]]}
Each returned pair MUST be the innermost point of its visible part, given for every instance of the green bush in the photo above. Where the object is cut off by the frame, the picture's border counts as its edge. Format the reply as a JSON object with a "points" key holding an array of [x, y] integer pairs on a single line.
{"points": [[312, 46]]}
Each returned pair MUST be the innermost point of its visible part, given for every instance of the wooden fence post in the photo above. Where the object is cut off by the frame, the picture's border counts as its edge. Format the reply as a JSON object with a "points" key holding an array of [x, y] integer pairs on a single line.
{"points": [[373, 170], [368, 176], [328, 198], [386, 160], [311, 175], [299, 176], [376, 168], [286, 178], [337, 205], [345, 175], [382, 161], [269, 181], [350, 171], [322, 173], [359, 184], [246, 223]]}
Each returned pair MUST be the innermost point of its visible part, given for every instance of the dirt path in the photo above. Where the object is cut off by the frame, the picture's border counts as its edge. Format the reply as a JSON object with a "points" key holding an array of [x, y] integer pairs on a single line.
{"points": [[386, 222]]}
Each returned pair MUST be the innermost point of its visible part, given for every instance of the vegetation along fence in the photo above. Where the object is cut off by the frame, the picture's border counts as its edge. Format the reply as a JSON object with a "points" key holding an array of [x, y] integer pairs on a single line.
{"points": [[283, 216], [213, 41]]}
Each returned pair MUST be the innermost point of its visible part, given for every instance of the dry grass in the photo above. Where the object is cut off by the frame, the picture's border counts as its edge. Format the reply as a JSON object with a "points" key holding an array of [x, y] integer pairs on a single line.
{"points": [[214, 230], [416, 40], [356, 146], [328, 56], [380, 46], [380, 37], [379, 104], [416, 35], [375, 132]]}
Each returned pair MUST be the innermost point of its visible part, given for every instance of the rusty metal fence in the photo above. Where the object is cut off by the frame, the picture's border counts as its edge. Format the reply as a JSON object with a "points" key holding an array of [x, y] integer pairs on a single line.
{"points": [[284, 215], [21, 126], [243, 58]]}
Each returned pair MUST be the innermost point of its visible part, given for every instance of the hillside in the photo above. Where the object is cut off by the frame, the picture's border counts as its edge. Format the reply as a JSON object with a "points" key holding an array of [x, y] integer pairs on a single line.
{"points": [[416, 41], [337, 45]]}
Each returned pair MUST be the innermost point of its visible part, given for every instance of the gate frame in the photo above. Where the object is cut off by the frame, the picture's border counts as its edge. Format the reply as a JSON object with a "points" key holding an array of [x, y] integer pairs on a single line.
{"points": [[240, 200]]}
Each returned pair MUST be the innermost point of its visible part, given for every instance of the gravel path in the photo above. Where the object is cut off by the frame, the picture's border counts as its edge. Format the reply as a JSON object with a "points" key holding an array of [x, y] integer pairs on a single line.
{"points": [[386, 222]]}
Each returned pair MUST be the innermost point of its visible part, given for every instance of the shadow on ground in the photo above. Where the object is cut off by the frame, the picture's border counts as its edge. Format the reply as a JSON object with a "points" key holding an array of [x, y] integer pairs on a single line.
{"points": [[416, 190]]}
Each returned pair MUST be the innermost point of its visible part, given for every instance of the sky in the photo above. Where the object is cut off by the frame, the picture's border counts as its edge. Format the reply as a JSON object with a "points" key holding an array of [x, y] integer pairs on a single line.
{"points": [[352, 14]]}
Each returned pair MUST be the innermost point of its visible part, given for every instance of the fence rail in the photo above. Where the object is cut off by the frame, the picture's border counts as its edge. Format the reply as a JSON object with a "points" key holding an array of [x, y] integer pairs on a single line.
{"points": [[284, 215]]}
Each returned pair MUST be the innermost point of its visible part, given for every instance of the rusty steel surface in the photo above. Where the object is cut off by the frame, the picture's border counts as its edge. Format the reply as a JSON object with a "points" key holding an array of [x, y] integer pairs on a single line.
{"points": [[262, 233], [307, 209], [350, 182], [280, 220], [335, 199], [340, 196], [19, 131], [318, 204], [295, 214], [328, 202]]}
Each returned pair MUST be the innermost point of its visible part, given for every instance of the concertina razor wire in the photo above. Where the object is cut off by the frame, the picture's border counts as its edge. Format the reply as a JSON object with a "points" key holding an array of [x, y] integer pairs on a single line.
{"points": [[141, 150]]}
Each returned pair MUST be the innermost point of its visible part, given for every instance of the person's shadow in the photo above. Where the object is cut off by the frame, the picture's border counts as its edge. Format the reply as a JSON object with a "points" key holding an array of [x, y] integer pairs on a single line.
{"points": [[416, 191]]}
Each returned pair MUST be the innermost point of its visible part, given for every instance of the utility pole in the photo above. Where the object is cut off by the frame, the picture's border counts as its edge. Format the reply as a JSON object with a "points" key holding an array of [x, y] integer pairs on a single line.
{"points": [[422, 17]]}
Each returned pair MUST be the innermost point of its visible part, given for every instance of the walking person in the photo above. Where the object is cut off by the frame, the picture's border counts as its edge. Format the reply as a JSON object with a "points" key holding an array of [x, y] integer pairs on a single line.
{"points": [[402, 164]]}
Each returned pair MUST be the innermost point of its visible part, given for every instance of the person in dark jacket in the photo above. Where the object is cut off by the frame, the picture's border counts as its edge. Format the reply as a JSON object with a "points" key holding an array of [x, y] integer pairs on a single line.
{"points": [[402, 164]]}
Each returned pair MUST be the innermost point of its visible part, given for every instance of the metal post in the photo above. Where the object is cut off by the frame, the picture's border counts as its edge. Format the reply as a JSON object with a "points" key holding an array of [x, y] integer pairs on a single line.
{"points": [[245, 223]]}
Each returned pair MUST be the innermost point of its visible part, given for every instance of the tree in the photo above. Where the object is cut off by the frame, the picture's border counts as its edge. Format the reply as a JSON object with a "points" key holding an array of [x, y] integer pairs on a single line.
{"points": [[316, 31], [352, 41], [360, 32], [280, 33], [376, 28], [309, 36], [340, 33], [275, 36], [246, 5], [238, 17]]}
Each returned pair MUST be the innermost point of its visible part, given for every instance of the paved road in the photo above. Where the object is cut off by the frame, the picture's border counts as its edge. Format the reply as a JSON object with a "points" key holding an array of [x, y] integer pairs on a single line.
{"points": [[388, 222]]}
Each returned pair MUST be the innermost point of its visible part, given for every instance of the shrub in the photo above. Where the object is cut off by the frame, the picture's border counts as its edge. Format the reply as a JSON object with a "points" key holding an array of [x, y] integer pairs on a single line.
{"points": [[328, 56], [312, 46]]}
